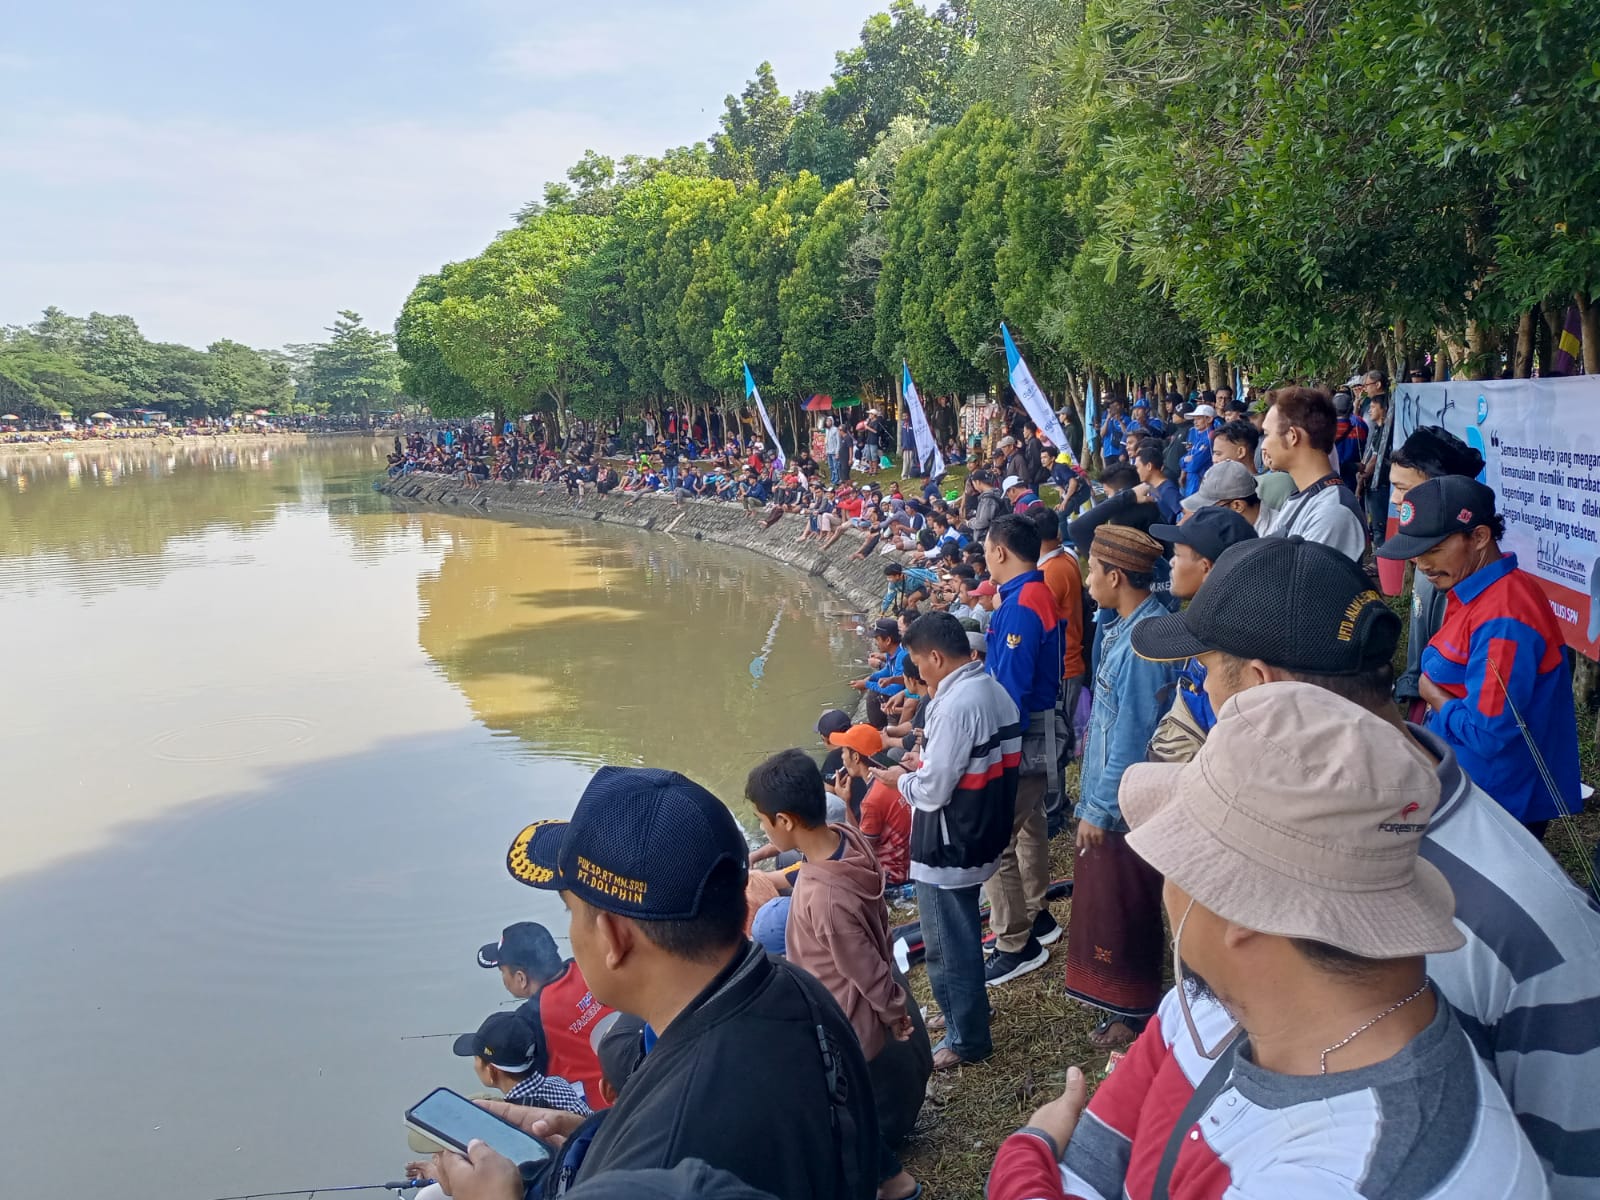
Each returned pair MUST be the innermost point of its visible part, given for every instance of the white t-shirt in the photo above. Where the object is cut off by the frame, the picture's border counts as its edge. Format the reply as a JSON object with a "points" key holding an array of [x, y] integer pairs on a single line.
{"points": [[1325, 514]]}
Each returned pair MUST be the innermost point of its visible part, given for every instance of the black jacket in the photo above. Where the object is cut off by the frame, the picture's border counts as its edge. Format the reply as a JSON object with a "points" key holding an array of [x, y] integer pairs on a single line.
{"points": [[739, 1080]]}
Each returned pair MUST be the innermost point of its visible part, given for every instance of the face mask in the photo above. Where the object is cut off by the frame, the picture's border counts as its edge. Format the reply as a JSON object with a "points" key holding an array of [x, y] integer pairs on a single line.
{"points": [[1183, 993]]}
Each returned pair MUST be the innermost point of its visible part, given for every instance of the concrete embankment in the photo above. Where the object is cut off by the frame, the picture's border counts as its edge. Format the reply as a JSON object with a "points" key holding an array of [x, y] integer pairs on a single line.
{"points": [[858, 581]]}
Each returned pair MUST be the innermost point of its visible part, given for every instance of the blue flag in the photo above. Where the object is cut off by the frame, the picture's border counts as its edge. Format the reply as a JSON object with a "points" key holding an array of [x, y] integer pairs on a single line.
{"points": [[1091, 426], [750, 393], [1033, 398], [927, 447]]}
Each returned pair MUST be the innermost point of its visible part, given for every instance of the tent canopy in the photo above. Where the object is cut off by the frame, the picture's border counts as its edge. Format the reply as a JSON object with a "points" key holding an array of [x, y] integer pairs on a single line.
{"points": [[821, 403]]}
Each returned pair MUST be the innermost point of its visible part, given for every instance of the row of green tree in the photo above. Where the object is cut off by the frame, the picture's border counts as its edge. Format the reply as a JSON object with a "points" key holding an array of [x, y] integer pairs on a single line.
{"points": [[1140, 187], [80, 365]]}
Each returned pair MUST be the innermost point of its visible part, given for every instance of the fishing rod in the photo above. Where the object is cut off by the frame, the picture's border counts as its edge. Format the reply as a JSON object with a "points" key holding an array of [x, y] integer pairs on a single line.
{"points": [[1567, 824], [404, 1185]]}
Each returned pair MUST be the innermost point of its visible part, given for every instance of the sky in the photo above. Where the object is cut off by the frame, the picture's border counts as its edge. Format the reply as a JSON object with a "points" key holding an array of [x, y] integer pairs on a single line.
{"points": [[246, 169]]}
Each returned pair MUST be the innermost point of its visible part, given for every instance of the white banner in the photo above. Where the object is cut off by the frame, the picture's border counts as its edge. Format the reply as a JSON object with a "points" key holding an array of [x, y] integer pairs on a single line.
{"points": [[927, 447], [1034, 400], [751, 393], [1540, 440]]}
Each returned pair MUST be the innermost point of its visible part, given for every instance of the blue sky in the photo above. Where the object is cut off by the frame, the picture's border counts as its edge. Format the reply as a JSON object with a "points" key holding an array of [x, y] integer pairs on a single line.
{"points": [[244, 170]]}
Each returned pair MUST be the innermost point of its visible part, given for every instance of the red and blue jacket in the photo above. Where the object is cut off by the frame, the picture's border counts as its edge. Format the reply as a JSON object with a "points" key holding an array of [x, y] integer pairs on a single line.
{"points": [[1499, 653], [1024, 651]]}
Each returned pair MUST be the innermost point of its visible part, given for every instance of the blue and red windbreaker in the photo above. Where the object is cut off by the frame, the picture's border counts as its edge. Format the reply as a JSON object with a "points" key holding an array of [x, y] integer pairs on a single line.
{"points": [[1024, 643], [1500, 653]]}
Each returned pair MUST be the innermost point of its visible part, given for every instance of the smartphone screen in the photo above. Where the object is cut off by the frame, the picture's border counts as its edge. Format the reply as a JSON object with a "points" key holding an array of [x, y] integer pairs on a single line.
{"points": [[455, 1121]]}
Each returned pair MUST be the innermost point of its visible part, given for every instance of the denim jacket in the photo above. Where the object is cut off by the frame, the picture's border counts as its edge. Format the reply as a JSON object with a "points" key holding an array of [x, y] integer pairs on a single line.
{"points": [[1128, 696]]}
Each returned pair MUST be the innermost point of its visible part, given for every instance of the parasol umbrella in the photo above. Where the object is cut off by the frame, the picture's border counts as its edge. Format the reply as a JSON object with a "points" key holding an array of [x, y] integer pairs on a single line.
{"points": [[9, 417], [820, 403], [263, 412], [100, 416]]}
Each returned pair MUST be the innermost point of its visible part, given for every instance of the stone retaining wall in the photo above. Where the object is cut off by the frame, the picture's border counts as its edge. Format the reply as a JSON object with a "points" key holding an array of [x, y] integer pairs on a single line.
{"points": [[859, 581]]}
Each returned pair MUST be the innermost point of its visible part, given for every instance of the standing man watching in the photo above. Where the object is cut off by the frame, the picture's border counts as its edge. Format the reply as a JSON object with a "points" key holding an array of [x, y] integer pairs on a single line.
{"points": [[1495, 675], [1300, 428], [987, 505], [1064, 578], [1114, 939], [1025, 656], [1197, 455], [1157, 487], [962, 798]]}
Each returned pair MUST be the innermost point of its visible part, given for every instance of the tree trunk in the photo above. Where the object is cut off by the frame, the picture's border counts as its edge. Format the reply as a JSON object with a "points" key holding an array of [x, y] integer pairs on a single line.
{"points": [[1481, 356], [1590, 313], [1522, 363]]}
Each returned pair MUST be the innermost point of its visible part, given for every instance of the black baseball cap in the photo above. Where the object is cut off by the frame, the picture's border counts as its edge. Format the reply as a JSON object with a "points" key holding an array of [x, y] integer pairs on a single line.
{"points": [[525, 944], [886, 627], [1435, 509], [504, 1040], [641, 843], [835, 720], [1208, 532], [1294, 604]]}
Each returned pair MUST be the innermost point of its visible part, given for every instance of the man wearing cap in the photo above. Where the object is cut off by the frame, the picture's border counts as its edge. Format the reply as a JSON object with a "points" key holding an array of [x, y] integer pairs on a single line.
{"points": [[1495, 675], [652, 870], [1197, 455], [1114, 937], [1349, 439], [885, 819], [1024, 653], [962, 797], [557, 1002], [1303, 1051], [886, 681], [1300, 429], [1143, 421], [508, 1056], [1530, 970], [1228, 485], [1197, 544], [1018, 494]]}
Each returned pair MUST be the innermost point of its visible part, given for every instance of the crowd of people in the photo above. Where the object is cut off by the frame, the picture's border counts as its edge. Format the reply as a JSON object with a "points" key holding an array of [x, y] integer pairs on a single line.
{"points": [[1385, 984]]}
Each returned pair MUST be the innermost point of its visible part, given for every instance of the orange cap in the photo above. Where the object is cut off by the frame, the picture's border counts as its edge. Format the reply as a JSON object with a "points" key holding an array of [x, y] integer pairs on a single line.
{"points": [[863, 739]]}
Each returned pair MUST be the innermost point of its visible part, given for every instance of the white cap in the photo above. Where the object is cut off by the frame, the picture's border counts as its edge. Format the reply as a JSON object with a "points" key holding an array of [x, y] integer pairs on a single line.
{"points": [[1010, 482], [1204, 410]]}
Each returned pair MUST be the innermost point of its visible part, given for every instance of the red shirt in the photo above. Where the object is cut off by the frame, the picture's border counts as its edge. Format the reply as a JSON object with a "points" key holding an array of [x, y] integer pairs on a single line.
{"points": [[886, 819], [569, 1012]]}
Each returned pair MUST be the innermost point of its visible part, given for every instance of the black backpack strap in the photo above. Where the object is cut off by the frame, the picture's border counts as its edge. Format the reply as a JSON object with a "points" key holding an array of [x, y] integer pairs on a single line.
{"points": [[1208, 1089]]}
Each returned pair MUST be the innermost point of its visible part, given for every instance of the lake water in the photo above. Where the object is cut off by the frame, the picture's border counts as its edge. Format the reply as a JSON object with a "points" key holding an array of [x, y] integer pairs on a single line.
{"points": [[266, 740]]}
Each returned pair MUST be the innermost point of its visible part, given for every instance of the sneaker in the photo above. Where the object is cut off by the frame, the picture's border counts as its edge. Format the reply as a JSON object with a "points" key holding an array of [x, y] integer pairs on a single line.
{"points": [[1005, 965], [1046, 929]]}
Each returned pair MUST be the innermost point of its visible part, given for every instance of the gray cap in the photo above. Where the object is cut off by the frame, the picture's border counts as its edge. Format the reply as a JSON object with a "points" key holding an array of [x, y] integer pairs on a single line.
{"points": [[1226, 480]]}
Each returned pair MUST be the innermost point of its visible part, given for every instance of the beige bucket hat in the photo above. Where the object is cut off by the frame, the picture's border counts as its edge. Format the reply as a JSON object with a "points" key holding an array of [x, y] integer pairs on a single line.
{"points": [[1300, 817]]}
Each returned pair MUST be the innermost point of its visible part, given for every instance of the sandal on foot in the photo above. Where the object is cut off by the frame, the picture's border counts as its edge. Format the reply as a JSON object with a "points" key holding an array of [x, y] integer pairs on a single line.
{"points": [[935, 1023], [1115, 1033]]}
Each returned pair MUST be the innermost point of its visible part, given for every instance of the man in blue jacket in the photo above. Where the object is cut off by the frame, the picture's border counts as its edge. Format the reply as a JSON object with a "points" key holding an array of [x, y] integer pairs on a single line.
{"points": [[1025, 654], [1115, 946], [1197, 458]]}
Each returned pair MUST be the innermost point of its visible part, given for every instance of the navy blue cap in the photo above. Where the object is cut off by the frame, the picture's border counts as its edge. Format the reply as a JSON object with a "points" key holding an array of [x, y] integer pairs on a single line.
{"points": [[1207, 532], [526, 944], [642, 843]]}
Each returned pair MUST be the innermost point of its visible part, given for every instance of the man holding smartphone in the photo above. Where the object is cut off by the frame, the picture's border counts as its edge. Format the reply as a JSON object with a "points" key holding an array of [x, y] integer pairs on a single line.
{"points": [[652, 869]]}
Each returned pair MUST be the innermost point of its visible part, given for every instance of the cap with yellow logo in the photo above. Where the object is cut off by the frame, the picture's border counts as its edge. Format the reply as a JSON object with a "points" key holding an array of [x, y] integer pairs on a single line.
{"points": [[642, 843]]}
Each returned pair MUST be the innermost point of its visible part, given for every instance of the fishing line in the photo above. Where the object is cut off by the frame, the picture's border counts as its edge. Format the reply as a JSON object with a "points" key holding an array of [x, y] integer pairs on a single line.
{"points": [[404, 1185]]}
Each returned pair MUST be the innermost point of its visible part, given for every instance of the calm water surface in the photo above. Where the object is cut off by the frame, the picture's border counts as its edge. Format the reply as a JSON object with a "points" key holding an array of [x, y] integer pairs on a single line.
{"points": [[266, 741]]}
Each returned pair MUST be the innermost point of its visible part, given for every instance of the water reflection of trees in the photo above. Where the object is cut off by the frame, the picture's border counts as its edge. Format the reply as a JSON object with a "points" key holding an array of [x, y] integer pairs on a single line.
{"points": [[605, 645], [129, 505]]}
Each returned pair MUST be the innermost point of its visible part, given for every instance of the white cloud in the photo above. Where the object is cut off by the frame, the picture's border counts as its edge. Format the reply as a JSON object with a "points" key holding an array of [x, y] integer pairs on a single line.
{"points": [[201, 230]]}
